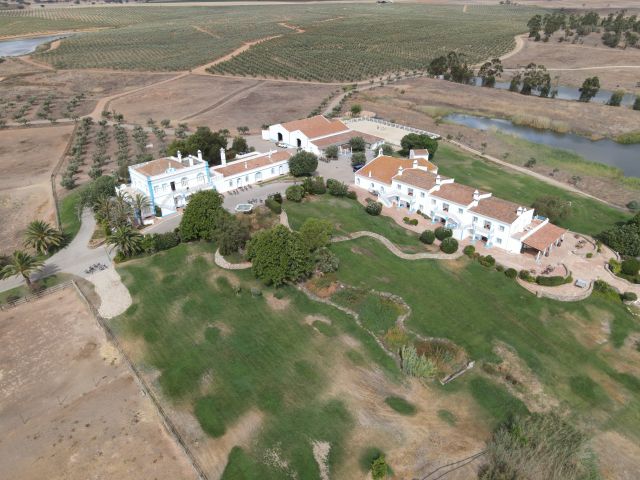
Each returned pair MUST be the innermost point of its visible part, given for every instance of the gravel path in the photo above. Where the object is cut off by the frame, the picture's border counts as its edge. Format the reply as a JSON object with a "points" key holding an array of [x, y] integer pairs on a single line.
{"points": [[114, 296], [395, 250]]}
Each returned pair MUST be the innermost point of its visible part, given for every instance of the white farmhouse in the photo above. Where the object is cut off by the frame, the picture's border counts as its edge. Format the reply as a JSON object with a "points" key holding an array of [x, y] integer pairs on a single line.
{"points": [[169, 182], [414, 184], [249, 169], [315, 134]]}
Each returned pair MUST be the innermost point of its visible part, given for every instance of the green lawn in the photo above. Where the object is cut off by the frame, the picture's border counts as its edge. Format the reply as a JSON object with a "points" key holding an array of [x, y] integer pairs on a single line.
{"points": [[475, 307], [348, 216], [587, 216], [69, 214], [196, 327]]}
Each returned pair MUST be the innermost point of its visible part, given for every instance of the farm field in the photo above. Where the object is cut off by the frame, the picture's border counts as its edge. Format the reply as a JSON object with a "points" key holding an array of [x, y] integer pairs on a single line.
{"points": [[222, 102], [269, 376], [70, 407], [320, 46], [26, 188], [423, 102]]}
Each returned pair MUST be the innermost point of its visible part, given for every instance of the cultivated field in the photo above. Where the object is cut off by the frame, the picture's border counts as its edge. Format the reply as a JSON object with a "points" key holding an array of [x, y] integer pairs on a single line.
{"points": [[312, 42], [222, 102], [27, 157], [561, 58], [69, 407]]}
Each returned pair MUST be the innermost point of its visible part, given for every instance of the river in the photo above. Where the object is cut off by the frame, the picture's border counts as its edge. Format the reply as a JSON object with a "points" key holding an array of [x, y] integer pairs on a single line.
{"points": [[624, 157]]}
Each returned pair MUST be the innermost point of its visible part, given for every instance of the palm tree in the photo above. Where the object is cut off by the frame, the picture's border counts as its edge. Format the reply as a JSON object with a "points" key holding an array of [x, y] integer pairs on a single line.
{"points": [[126, 240], [21, 263], [42, 237], [122, 210], [103, 208], [140, 204]]}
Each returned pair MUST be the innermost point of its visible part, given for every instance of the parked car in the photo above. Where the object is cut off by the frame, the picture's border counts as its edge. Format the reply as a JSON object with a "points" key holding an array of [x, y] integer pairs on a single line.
{"points": [[281, 145], [358, 167]]}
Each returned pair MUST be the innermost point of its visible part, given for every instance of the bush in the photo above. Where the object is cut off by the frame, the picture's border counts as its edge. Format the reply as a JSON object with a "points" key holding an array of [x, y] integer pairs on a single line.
{"points": [[555, 209], [231, 234], [303, 164], [202, 216], [337, 188], [314, 185], [352, 195], [449, 245], [379, 468], [629, 297], [274, 206], [487, 261], [373, 208], [511, 273], [357, 144], [157, 211], [469, 250], [326, 260], [630, 266], [615, 266], [358, 158], [331, 151], [499, 268], [316, 233], [525, 275], [427, 237], [165, 241], [442, 233], [295, 193], [553, 281], [277, 197], [416, 365]]}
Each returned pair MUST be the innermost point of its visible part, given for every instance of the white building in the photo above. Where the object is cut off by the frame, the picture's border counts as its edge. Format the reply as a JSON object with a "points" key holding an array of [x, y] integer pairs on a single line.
{"points": [[414, 184], [169, 182], [249, 169], [315, 134]]}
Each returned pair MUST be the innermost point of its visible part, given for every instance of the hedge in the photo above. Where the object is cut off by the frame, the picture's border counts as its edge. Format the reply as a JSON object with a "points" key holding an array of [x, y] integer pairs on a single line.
{"points": [[629, 297], [273, 205], [553, 281], [449, 245], [295, 193]]}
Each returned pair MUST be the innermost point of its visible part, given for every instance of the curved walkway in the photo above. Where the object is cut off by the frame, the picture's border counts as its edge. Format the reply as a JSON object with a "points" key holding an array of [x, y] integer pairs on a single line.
{"points": [[223, 263]]}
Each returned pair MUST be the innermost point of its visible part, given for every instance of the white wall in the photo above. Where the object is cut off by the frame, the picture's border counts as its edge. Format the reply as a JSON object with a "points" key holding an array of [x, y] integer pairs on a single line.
{"points": [[250, 177]]}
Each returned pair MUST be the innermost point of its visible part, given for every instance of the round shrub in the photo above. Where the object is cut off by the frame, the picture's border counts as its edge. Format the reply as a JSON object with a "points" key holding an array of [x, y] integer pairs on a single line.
{"points": [[295, 193], [442, 233], [373, 208], [511, 273], [629, 297], [352, 195], [469, 250], [273, 205], [277, 197], [525, 275], [449, 245], [630, 266], [427, 237]]}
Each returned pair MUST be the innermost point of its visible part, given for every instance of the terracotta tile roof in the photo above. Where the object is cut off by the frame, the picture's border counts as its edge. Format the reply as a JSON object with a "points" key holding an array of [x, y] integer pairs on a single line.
{"points": [[317, 126], [158, 166], [242, 165], [417, 178], [456, 193], [342, 138], [384, 167], [544, 236], [497, 209], [421, 151]]}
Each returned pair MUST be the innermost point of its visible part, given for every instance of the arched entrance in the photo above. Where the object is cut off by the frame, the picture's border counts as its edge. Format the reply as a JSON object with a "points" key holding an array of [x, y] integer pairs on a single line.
{"points": [[299, 142], [279, 136]]}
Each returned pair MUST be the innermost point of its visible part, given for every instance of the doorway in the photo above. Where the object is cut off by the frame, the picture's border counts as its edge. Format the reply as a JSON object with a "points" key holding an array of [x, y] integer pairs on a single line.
{"points": [[173, 186]]}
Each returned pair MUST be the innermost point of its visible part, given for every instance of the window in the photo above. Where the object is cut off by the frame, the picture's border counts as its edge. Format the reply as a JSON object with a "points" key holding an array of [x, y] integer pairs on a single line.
{"points": [[487, 225], [499, 241], [445, 207], [357, 179], [258, 176], [382, 189], [200, 178], [156, 189], [460, 211], [185, 182], [372, 185], [433, 202], [420, 207], [399, 187], [410, 192], [273, 171], [231, 183], [475, 220], [501, 228], [165, 187], [421, 194]]}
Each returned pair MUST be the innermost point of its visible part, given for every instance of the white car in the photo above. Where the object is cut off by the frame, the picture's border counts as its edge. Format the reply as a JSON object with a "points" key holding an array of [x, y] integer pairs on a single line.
{"points": [[281, 145]]}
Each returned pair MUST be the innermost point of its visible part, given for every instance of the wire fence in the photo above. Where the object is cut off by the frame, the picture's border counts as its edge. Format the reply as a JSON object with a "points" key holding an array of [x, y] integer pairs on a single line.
{"points": [[36, 295]]}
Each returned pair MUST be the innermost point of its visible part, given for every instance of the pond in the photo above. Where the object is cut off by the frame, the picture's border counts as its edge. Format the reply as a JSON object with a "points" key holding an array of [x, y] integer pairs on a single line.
{"points": [[624, 157], [569, 93], [22, 46]]}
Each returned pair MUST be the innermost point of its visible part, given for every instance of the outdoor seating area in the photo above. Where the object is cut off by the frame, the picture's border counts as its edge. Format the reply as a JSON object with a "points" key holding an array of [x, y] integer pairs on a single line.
{"points": [[239, 190]]}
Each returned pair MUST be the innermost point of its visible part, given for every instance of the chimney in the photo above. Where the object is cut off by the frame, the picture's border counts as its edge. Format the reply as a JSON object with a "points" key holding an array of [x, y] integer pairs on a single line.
{"points": [[200, 155], [438, 179], [269, 154], [369, 173], [179, 156], [415, 164], [476, 195], [380, 152], [400, 170], [223, 157], [520, 211], [412, 154], [245, 165], [190, 157]]}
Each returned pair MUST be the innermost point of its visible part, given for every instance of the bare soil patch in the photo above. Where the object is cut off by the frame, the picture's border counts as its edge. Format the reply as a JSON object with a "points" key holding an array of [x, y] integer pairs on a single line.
{"points": [[27, 158], [618, 457], [277, 304], [70, 408], [589, 58]]}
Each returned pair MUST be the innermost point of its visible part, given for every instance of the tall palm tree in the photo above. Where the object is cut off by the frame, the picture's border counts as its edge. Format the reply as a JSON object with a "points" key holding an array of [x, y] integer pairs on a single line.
{"points": [[42, 237], [122, 210], [140, 203], [21, 263], [126, 240], [103, 208]]}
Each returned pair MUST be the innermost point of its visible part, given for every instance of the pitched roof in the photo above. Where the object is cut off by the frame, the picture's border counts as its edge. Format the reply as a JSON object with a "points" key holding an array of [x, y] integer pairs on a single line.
{"points": [[344, 137], [248, 164], [417, 178], [497, 209], [315, 127], [158, 166], [456, 193], [384, 167], [544, 236]]}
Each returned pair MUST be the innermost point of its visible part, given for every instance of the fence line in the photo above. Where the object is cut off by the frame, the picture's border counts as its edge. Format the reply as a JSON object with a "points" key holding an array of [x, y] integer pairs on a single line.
{"points": [[396, 125], [54, 175], [144, 386], [37, 295]]}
